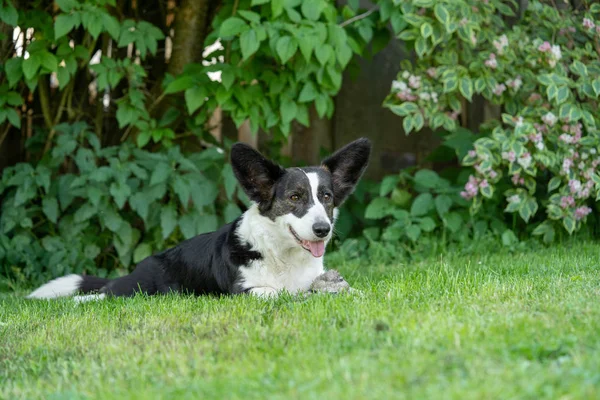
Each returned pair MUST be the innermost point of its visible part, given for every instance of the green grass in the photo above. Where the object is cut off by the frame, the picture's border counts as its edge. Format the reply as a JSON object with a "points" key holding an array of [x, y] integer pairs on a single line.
{"points": [[481, 327]]}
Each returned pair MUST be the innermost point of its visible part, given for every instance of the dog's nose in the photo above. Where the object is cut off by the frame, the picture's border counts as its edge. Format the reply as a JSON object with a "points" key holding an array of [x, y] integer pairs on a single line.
{"points": [[321, 229]]}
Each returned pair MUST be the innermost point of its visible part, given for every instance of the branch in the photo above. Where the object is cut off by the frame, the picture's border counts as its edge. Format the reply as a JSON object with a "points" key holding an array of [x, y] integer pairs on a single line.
{"points": [[358, 17], [45, 102], [5, 133]]}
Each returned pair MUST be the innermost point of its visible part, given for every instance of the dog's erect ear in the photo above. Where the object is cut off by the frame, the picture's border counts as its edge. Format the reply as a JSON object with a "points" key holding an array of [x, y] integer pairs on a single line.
{"points": [[347, 166], [256, 174]]}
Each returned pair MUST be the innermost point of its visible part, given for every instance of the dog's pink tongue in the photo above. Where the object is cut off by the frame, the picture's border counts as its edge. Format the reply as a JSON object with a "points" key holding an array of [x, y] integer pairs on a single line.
{"points": [[317, 249]]}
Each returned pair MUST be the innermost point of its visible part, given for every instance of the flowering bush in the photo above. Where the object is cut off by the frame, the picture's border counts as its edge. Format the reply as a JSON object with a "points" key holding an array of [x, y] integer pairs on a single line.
{"points": [[544, 72]]}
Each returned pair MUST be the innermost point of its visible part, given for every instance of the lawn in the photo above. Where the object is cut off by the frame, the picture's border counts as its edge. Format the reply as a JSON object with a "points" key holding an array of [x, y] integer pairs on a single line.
{"points": [[481, 327]]}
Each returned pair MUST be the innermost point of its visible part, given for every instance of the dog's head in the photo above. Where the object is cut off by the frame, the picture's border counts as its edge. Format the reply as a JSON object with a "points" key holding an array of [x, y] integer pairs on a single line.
{"points": [[303, 202]]}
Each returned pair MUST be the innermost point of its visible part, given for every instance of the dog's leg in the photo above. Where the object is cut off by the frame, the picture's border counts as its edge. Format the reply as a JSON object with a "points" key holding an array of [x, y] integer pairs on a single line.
{"points": [[264, 292]]}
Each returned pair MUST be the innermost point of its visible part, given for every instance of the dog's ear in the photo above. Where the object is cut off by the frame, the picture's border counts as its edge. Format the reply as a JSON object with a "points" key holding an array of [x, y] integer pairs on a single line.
{"points": [[256, 174], [347, 166]]}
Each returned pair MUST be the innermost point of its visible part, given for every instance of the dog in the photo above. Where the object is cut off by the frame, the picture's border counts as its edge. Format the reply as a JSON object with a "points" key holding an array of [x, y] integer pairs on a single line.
{"points": [[276, 245]]}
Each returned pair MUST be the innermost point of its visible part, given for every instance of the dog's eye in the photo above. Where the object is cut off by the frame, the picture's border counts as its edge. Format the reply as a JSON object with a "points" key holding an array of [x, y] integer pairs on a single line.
{"points": [[326, 197], [294, 197]]}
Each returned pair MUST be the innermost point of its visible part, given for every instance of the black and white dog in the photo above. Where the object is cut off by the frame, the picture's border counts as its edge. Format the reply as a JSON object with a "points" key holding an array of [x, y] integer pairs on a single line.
{"points": [[276, 245]]}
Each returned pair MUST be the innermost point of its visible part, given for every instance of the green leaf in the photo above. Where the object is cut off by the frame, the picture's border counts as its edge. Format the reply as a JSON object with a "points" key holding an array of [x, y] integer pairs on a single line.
{"points": [[413, 232], [195, 98], [111, 25], [427, 178], [312, 9], [569, 224], [168, 220], [48, 61], [160, 174], [324, 53], [453, 221], [276, 8], [421, 46], [258, 2], [14, 70], [231, 212], [9, 15], [50, 208], [249, 43], [554, 183], [407, 125], [422, 204], [141, 252], [442, 204], [120, 191], [288, 111], [388, 184], [378, 208], [31, 66], [250, 16], [404, 109], [442, 14], [179, 84], [508, 238], [562, 94], [13, 117], [64, 24], [182, 189], [307, 45], [84, 212], [230, 180], [143, 138], [466, 87], [426, 30], [140, 203], [450, 85], [427, 224], [308, 93], [286, 48], [233, 26], [596, 86]]}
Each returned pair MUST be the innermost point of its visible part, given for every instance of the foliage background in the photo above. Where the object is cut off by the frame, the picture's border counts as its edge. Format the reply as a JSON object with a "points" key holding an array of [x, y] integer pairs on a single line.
{"points": [[109, 107]]}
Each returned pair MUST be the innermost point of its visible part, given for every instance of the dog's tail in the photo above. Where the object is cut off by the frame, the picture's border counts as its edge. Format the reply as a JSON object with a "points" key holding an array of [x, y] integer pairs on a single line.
{"points": [[69, 285]]}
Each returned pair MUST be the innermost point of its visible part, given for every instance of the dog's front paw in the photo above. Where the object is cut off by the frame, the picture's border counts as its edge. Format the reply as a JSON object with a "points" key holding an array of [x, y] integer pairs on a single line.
{"points": [[330, 282], [264, 292]]}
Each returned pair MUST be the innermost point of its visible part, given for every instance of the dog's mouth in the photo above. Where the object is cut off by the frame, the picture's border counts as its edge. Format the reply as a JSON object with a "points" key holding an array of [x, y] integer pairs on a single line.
{"points": [[316, 248]]}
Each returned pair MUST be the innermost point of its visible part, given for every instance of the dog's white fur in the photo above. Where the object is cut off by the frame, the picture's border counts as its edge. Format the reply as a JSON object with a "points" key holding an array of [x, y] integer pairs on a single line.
{"points": [[59, 287]]}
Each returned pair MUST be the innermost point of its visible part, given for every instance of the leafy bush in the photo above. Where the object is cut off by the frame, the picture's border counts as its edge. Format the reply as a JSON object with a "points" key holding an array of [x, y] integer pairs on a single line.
{"points": [[88, 84], [118, 199], [545, 74]]}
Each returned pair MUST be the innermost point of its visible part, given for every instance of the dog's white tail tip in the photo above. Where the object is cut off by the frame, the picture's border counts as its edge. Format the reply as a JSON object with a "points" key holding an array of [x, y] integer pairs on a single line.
{"points": [[59, 287]]}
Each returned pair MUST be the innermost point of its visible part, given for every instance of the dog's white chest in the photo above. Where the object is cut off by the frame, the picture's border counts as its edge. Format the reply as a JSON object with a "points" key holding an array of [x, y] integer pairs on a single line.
{"points": [[277, 274]]}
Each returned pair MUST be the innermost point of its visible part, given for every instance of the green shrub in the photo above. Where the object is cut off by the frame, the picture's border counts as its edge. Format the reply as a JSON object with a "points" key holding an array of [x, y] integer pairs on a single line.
{"points": [[544, 72], [98, 210]]}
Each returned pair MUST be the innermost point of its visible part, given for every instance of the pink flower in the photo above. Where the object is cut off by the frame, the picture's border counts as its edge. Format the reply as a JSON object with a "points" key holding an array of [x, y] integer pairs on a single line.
{"points": [[566, 165], [471, 188], [534, 97], [509, 155], [515, 83], [597, 28], [472, 153], [525, 160], [516, 178], [491, 62], [499, 89], [588, 23], [567, 201], [493, 174], [582, 212], [483, 184], [574, 185], [463, 22], [544, 47], [501, 43], [432, 72], [549, 119], [414, 82]]}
